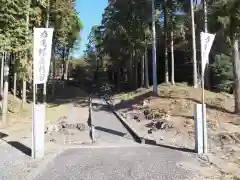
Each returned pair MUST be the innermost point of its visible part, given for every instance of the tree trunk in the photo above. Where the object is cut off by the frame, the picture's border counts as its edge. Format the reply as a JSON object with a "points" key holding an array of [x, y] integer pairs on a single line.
{"points": [[24, 83], [113, 78], [130, 72], [54, 75], [195, 81], [236, 73], [135, 70], [146, 69], [142, 71], [15, 85], [5, 101], [24, 89], [67, 67], [2, 66], [205, 16], [154, 57], [172, 45], [44, 92], [97, 59], [48, 7], [118, 79], [62, 70], [166, 42], [172, 60], [133, 84]]}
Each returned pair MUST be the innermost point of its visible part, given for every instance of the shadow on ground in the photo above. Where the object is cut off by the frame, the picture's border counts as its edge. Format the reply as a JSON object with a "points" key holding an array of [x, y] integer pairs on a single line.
{"points": [[128, 104], [21, 147], [69, 92], [154, 143], [65, 92], [110, 131], [3, 135], [100, 107]]}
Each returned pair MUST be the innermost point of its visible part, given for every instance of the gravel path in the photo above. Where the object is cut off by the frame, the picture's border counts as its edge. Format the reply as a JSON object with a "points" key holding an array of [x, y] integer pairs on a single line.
{"points": [[108, 128], [123, 159], [11, 161], [126, 163], [16, 165]]}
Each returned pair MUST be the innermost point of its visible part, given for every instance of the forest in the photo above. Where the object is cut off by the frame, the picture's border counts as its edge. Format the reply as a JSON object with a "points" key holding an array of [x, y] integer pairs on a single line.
{"points": [[123, 42], [18, 18], [149, 52]]}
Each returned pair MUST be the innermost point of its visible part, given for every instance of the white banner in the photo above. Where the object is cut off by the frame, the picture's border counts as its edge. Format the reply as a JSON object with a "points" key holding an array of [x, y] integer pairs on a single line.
{"points": [[206, 45], [42, 54]]}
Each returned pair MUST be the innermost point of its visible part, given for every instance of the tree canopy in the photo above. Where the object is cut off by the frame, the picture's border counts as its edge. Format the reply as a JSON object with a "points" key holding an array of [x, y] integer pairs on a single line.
{"points": [[126, 37], [19, 17]]}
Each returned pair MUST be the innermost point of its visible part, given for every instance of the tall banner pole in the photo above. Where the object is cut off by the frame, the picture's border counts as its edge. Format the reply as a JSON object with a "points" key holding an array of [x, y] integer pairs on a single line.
{"points": [[206, 44], [204, 121], [33, 110], [41, 62], [34, 102]]}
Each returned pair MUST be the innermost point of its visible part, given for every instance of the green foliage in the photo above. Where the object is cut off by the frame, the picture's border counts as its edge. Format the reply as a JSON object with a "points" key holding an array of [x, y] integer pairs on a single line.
{"points": [[93, 50], [222, 73], [67, 26], [227, 15], [124, 33], [12, 25], [19, 17], [125, 29]]}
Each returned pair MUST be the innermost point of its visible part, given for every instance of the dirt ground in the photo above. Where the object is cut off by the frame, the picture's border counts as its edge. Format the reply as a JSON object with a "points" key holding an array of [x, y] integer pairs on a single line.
{"points": [[69, 102], [16, 135], [168, 120]]}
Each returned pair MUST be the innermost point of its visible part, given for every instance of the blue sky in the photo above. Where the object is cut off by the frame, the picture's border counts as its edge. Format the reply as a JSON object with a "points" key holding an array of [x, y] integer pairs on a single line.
{"points": [[90, 12]]}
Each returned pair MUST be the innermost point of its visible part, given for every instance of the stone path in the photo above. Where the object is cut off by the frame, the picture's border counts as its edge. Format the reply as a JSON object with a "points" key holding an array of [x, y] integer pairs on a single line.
{"points": [[16, 162], [126, 163], [108, 129], [114, 156]]}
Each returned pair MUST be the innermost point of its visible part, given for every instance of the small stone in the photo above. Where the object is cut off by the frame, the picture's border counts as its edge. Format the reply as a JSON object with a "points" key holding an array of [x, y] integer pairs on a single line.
{"points": [[145, 103], [63, 124], [161, 125], [164, 125], [81, 126], [158, 125], [150, 131], [52, 128], [135, 117], [52, 140], [124, 115], [146, 112]]}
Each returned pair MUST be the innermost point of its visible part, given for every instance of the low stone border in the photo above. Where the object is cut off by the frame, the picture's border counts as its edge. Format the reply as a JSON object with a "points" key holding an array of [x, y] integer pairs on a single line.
{"points": [[138, 138]]}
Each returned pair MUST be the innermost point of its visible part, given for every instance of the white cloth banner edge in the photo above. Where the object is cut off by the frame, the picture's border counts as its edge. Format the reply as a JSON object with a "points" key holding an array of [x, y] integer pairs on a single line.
{"points": [[204, 54], [36, 59]]}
